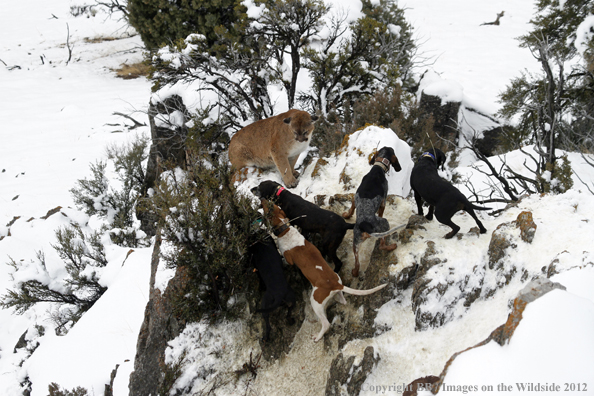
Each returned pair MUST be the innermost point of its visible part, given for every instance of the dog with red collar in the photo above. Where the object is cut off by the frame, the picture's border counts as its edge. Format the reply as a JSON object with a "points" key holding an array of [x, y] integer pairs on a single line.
{"points": [[309, 217], [300, 252], [370, 199]]}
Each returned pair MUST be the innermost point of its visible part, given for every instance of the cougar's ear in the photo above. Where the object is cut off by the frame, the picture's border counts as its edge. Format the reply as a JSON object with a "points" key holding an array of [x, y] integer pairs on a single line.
{"points": [[314, 118], [287, 120]]}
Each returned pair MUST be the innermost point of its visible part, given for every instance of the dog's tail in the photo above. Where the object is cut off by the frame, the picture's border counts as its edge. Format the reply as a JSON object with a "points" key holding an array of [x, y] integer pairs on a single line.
{"points": [[363, 292], [349, 226], [389, 232], [475, 207]]}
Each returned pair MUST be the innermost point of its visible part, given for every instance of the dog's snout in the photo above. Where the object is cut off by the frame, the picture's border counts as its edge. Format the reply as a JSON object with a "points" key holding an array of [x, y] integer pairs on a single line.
{"points": [[256, 191]]}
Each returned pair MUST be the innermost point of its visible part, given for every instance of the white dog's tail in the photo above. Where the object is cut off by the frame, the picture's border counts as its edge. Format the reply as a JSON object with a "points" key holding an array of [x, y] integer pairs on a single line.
{"points": [[363, 292], [389, 232]]}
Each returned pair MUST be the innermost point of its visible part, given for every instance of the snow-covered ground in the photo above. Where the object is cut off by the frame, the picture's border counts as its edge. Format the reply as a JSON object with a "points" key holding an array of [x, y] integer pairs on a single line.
{"points": [[58, 118]]}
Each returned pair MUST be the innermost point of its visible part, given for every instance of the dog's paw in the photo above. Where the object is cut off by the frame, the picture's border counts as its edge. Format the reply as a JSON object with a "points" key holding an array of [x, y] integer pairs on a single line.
{"points": [[295, 174], [450, 234], [429, 217]]}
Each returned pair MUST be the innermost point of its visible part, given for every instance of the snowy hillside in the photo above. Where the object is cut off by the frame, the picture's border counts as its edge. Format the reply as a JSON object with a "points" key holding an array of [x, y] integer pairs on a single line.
{"points": [[61, 114]]}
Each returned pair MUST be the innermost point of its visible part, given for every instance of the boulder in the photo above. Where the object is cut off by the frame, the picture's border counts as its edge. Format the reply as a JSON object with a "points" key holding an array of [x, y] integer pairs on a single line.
{"points": [[346, 378], [159, 327], [502, 335], [167, 121], [445, 119]]}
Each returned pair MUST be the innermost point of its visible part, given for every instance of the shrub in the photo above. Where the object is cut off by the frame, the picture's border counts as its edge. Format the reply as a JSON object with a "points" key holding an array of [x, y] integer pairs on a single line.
{"points": [[210, 226], [389, 108], [55, 390], [160, 22], [115, 204], [83, 255], [557, 178]]}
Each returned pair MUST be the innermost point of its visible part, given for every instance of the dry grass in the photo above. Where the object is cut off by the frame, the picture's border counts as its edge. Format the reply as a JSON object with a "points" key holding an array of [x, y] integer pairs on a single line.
{"points": [[135, 70], [99, 39]]}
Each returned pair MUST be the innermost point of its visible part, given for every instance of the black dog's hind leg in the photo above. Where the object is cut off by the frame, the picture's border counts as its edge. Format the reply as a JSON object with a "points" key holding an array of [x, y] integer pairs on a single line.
{"points": [[331, 245], [430, 213], [445, 218], [419, 202], [470, 211]]}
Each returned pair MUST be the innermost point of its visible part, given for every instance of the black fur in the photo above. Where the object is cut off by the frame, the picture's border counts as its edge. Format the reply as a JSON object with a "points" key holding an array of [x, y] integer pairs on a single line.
{"points": [[268, 261], [309, 217], [370, 199], [440, 195]]}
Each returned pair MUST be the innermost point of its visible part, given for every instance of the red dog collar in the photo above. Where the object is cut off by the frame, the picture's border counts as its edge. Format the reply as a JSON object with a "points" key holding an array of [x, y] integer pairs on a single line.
{"points": [[279, 190]]}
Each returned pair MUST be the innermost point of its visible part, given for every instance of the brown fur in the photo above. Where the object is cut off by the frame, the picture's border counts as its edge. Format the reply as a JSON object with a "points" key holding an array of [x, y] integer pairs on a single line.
{"points": [[326, 283], [275, 141]]}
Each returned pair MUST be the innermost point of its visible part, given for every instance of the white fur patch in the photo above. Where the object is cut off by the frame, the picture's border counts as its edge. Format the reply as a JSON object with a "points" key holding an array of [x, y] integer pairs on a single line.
{"points": [[320, 268], [290, 240], [297, 148]]}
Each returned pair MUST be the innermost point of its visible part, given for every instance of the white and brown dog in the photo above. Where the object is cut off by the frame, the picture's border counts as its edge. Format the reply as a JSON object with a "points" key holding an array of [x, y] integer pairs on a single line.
{"points": [[297, 250]]}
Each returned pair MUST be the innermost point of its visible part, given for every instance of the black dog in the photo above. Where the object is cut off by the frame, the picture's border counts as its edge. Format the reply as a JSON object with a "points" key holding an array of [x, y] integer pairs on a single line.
{"points": [[309, 217], [268, 261], [441, 196], [370, 199]]}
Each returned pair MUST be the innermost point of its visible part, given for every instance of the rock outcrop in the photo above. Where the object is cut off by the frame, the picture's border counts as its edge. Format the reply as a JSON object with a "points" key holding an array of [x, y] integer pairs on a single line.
{"points": [[168, 136], [431, 290], [347, 377], [505, 332], [159, 327], [445, 119]]}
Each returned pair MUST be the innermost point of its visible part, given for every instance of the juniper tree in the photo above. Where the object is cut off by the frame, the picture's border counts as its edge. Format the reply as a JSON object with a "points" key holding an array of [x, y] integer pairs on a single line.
{"points": [[82, 255], [209, 226], [160, 22]]}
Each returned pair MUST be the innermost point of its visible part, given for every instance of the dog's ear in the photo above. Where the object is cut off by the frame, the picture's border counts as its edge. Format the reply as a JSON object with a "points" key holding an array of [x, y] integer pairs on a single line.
{"points": [[372, 159], [287, 120], [441, 159], [395, 163]]}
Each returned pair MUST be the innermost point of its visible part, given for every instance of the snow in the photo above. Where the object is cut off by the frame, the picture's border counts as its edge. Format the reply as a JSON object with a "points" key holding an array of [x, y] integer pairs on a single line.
{"points": [[58, 119], [530, 358]]}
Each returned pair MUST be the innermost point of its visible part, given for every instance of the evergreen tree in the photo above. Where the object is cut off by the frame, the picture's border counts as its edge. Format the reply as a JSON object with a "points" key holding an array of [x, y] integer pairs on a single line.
{"points": [[160, 22]]}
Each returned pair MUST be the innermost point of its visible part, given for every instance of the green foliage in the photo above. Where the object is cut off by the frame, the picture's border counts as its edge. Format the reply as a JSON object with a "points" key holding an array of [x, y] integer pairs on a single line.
{"points": [[561, 98], [389, 108], [210, 227], [90, 193], [160, 22], [115, 204], [353, 60], [558, 176], [377, 54], [558, 23], [55, 390], [82, 256]]}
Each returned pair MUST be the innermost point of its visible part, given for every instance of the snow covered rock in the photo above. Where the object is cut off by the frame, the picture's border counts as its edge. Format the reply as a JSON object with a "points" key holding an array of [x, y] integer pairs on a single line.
{"points": [[348, 377], [441, 293], [158, 327], [509, 236], [445, 117], [167, 119], [502, 335]]}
